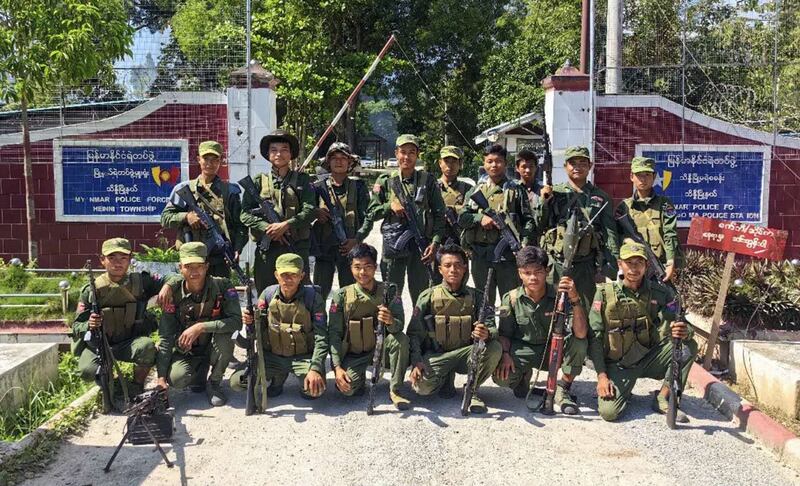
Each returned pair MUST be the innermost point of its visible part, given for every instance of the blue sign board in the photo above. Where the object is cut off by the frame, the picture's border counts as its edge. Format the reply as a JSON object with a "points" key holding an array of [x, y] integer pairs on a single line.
{"points": [[116, 180], [728, 182]]}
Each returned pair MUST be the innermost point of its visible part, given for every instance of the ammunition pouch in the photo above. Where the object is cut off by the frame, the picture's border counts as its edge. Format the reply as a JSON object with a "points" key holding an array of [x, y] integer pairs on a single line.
{"points": [[359, 336], [452, 332]]}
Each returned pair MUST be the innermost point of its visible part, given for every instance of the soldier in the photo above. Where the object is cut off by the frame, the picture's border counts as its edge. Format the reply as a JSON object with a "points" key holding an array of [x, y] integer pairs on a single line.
{"points": [[527, 167], [596, 249], [220, 199], [654, 215], [354, 312], [353, 198], [632, 325], [422, 188], [122, 298], [442, 330], [296, 339], [196, 327], [481, 235], [453, 193], [525, 316], [291, 193]]}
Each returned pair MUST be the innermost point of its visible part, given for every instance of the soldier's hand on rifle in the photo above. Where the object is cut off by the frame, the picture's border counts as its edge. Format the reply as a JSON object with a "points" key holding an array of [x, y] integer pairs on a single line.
{"points": [[247, 318], [164, 297], [567, 285], [314, 385], [193, 220], [277, 231], [397, 208], [342, 379], [348, 245], [546, 192], [416, 373], [189, 336], [323, 215], [95, 320], [430, 253], [679, 330], [487, 223], [505, 368], [480, 332], [605, 387], [385, 315], [669, 272], [162, 382]]}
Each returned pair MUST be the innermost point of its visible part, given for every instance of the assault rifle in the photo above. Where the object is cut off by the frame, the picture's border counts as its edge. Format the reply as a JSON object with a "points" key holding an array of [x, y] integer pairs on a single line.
{"points": [[255, 370], [265, 209], [655, 269], [478, 346], [508, 235], [216, 239], [413, 227], [325, 192], [389, 294]]}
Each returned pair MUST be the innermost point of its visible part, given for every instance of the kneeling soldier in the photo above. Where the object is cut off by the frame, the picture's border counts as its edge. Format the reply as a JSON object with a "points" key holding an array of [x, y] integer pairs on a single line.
{"points": [[632, 329], [354, 312], [525, 316], [297, 330], [122, 298], [443, 328], [196, 327]]}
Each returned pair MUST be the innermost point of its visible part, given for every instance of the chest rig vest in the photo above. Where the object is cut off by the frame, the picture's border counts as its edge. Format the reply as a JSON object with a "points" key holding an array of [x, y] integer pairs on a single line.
{"points": [[501, 199], [452, 317], [628, 325], [290, 330], [553, 239], [648, 223], [120, 306], [453, 194], [361, 317], [419, 193], [213, 204], [287, 199], [209, 308], [348, 202]]}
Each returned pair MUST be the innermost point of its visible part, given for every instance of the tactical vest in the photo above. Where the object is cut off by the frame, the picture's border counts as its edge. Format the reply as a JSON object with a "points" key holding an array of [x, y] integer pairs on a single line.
{"points": [[628, 325], [348, 202], [360, 317], [452, 318], [500, 202], [208, 309], [287, 200], [214, 205], [452, 195], [552, 241], [290, 330], [423, 205], [648, 223], [120, 306]]}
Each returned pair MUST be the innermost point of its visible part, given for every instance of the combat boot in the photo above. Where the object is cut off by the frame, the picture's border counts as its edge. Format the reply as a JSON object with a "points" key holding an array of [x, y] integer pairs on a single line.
{"points": [[275, 387], [521, 390], [198, 383], [448, 389], [216, 397], [661, 405], [564, 400], [400, 402]]}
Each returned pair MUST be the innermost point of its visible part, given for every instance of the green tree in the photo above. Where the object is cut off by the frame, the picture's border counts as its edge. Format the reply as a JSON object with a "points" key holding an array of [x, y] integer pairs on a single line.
{"points": [[49, 43]]}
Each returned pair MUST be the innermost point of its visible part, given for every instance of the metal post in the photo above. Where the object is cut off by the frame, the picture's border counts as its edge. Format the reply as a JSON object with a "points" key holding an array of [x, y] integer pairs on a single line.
{"points": [[775, 74], [683, 78], [585, 9], [614, 46], [592, 113]]}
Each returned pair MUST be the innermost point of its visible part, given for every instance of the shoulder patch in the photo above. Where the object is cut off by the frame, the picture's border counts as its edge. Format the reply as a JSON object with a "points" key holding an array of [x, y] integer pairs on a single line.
{"points": [[262, 304], [597, 305], [597, 198], [231, 293], [376, 188], [169, 308], [416, 311], [669, 209], [672, 306], [319, 316], [333, 308], [81, 307]]}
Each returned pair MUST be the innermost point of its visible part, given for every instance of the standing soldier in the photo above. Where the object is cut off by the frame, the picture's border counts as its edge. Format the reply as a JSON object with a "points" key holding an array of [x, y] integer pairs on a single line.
{"points": [[527, 167], [355, 311], [632, 325], [122, 298], [595, 251], [220, 199], [481, 235], [352, 198], [421, 188], [454, 192], [653, 215], [296, 339], [525, 317], [196, 327], [442, 330], [291, 193]]}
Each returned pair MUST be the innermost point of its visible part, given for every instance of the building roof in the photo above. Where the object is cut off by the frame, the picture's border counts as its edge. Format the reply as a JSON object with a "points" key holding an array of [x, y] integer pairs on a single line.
{"points": [[523, 124]]}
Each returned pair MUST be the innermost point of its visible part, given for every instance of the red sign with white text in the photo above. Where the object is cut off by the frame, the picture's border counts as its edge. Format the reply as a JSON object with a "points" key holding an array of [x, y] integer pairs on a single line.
{"points": [[741, 238]]}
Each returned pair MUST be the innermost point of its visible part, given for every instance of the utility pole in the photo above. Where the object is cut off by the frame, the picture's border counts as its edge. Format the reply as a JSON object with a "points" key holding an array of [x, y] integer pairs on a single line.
{"points": [[614, 46]]}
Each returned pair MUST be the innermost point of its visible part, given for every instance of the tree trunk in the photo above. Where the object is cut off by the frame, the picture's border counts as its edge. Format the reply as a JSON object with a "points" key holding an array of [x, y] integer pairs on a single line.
{"points": [[33, 247]]}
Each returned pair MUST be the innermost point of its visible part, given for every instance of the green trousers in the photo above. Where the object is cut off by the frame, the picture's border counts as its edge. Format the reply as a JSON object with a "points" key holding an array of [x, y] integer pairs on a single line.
{"points": [[583, 275], [264, 266], [324, 268], [140, 351], [278, 368], [527, 356], [395, 358], [186, 368], [506, 276], [656, 364], [439, 366], [396, 268]]}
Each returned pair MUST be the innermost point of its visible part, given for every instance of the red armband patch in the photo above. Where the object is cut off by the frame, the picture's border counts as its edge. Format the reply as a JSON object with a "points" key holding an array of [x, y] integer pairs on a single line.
{"points": [[81, 307], [597, 305], [376, 188], [169, 308], [319, 316], [334, 307], [262, 304], [232, 293]]}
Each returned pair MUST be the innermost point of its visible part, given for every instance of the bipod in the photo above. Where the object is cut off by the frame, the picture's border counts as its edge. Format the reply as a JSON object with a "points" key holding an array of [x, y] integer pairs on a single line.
{"points": [[137, 420]]}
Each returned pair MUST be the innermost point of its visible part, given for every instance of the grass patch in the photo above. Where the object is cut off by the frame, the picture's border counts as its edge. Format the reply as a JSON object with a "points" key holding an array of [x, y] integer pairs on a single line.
{"points": [[15, 280], [745, 391]]}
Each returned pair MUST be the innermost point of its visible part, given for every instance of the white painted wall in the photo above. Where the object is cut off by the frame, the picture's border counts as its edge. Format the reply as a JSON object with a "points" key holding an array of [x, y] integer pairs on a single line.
{"points": [[264, 121], [569, 122]]}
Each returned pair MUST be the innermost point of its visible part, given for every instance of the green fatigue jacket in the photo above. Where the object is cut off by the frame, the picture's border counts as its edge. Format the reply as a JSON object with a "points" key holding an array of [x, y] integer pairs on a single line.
{"points": [[353, 201], [217, 307], [337, 318], [420, 340], [432, 219], [454, 195], [657, 222], [294, 186], [656, 311], [523, 319], [224, 206], [136, 321], [319, 320]]}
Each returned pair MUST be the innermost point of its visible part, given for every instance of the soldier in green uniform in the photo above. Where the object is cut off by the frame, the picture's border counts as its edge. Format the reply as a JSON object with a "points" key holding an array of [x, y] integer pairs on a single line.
{"points": [[291, 193], [122, 298], [527, 167], [355, 311], [595, 251], [220, 199], [481, 236], [196, 327], [353, 199], [296, 338], [422, 188], [632, 325], [525, 316], [453, 193], [654, 215], [442, 330]]}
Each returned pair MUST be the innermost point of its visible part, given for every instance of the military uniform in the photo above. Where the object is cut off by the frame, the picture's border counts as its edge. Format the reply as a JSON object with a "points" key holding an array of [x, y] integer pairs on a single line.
{"points": [[440, 336], [220, 200], [352, 318]]}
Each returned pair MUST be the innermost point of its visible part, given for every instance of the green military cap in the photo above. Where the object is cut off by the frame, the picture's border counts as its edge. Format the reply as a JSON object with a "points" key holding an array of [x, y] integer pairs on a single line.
{"points": [[451, 151], [575, 152], [210, 147], [643, 164], [289, 263], [116, 245], [632, 249], [193, 252], [407, 138]]}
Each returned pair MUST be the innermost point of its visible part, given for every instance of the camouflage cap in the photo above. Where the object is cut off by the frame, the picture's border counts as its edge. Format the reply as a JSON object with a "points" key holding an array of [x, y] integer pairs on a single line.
{"points": [[451, 151], [643, 164], [407, 138], [577, 152], [210, 147], [289, 263], [632, 249], [342, 148], [193, 252], [116, 245]]}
